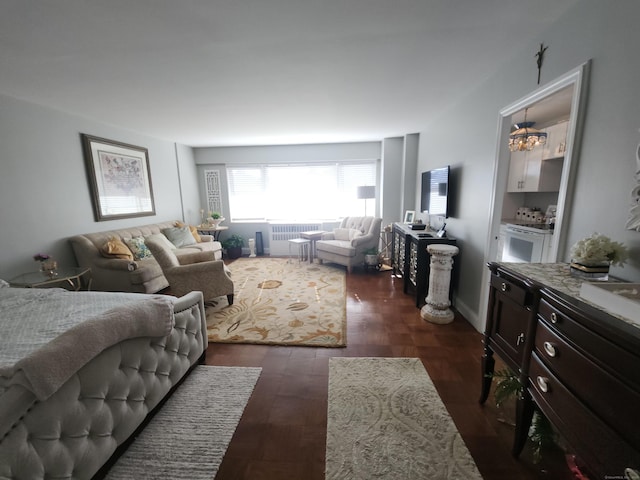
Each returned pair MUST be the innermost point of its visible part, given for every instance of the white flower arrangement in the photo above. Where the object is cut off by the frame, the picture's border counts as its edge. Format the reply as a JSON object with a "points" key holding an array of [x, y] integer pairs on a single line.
{"points": [[598, 249]]}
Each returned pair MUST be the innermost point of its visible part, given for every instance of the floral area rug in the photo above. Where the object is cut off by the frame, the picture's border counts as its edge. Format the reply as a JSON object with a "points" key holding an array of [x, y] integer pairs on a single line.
{"points": [[281, 302]]}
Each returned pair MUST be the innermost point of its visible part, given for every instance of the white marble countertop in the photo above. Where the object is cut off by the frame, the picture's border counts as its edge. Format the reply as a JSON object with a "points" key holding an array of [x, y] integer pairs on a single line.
{"points": [[557, 277]]}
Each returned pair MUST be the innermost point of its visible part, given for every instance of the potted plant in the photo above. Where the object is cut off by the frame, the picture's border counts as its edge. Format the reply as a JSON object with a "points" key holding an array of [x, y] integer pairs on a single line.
{"points": [[541, 432], [215, 218], [233, 245], [371, 256]]}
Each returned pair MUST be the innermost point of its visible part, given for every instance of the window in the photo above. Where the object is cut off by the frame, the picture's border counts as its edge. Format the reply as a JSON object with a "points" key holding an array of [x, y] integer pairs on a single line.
{"points": [[319, 191]]}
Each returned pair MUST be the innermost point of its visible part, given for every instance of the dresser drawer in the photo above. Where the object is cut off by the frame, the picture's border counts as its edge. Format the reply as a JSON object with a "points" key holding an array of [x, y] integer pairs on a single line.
{"points": [[603, 393], [509, 289], [598, 446], [621, 362]]}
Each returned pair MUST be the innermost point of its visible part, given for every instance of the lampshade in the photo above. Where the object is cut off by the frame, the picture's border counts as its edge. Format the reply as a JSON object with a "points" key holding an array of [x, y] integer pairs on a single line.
{"points": [[525, 137], [366, 191]]}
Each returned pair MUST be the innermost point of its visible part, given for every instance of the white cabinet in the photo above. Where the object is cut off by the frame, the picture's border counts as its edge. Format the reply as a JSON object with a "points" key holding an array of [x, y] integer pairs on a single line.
{"points": [[528, 172], [556, 141]]}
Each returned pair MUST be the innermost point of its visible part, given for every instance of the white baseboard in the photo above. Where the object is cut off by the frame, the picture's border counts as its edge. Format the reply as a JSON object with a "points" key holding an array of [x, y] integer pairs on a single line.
{"points": [[471, 315]]}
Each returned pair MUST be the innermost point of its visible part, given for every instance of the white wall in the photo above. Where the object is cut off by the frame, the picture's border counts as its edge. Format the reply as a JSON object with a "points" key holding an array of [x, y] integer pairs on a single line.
{"points": [[44, 193], [606, 33], [189, 187]]}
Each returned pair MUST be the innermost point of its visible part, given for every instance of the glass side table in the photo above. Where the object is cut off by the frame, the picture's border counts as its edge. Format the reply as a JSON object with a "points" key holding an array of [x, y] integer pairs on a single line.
{"points": [[73, 276]]}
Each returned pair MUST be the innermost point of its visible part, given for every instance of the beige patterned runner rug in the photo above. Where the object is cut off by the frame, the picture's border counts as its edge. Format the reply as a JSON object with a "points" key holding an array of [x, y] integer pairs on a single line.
{"points": [[385, 420], [279, 302]]}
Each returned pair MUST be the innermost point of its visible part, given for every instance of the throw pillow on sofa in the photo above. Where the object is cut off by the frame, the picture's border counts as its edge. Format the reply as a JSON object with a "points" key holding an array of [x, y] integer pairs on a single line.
{"points": [[160, 238], [194, 231], [179, 236], [138, 248], [115, 248]]}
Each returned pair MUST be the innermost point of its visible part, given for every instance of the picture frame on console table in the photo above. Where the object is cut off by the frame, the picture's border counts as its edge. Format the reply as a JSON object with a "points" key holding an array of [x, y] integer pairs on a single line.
{"points": [[409, 216], [119, 179]]}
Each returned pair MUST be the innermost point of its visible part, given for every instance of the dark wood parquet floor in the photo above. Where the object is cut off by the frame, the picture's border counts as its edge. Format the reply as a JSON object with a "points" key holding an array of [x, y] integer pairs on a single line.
{"points": [[282, 432]]}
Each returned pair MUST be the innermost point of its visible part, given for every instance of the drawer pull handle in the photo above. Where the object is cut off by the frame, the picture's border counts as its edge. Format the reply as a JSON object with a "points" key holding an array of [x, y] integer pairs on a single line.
{"points": [[550, 349], [504, 287], [543, 384], [554, 317], [519, 339], [631, 474]]}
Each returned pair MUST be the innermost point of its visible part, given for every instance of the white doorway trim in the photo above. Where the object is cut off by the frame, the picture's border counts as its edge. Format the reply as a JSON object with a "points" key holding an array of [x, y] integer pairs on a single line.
{"points": [[578, 78]]}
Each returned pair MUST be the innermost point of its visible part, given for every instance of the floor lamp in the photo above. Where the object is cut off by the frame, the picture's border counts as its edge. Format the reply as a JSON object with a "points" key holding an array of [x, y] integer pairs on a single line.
{"points": [[365, 192]]}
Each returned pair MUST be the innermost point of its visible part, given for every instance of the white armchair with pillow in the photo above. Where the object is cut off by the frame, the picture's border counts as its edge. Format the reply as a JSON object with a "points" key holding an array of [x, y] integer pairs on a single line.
{"points": [[347, 243]]}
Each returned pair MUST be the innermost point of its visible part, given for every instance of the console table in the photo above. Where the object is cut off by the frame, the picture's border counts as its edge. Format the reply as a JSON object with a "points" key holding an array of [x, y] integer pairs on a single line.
{"points": [[579, 364], [211, 230], [410, 259]]}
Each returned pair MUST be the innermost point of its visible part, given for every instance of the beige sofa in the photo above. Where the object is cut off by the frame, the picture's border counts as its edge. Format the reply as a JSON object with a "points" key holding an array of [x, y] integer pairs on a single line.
{"points": [[140, 276]]}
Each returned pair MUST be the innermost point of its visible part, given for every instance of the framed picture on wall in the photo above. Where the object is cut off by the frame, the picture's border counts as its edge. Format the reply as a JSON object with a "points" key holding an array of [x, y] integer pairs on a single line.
{"points": [[119, 179], [409, 216]]}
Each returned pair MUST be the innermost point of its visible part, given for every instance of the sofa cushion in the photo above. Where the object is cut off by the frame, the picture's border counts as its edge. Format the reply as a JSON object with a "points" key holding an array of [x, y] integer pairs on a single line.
{"points": [[116, 248], [339, 247], [194, 231], [179, 236], [346, 233], [138, 248]]}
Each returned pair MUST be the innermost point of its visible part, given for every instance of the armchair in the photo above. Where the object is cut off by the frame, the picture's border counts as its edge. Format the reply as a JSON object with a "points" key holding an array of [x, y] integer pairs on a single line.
{"points": [[210, 276], [347, 243]]}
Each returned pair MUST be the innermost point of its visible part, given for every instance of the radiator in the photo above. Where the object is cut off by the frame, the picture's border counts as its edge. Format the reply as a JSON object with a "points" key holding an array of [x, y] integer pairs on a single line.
{"points": [[281, 233]]}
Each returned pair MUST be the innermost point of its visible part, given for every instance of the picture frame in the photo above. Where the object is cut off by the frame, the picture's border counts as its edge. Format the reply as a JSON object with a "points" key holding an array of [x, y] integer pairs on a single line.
{"points": [[409, 216], [119, 179]]}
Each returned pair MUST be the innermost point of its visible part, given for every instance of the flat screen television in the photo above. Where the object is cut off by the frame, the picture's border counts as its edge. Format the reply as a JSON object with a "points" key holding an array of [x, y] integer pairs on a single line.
{"points": [[435, 192]]}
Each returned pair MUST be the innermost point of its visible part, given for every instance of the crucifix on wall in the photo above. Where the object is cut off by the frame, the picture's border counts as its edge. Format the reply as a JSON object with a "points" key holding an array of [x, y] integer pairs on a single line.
{"points": [[539, 58]]}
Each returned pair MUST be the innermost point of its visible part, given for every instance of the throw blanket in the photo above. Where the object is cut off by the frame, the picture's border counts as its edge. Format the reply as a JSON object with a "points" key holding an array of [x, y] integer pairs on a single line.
{"points": [[49, 334]]}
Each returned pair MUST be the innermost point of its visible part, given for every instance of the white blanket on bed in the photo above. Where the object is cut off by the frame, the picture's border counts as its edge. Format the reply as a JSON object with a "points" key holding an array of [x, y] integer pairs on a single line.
{"points": [[46, 335]]}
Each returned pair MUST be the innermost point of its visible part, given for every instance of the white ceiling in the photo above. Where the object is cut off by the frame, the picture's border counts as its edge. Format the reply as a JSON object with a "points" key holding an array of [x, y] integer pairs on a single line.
{"points": [[251, 72]]}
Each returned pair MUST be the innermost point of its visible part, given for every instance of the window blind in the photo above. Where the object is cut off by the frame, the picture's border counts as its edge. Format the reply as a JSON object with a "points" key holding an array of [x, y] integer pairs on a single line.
{"points": [[300, 192]]}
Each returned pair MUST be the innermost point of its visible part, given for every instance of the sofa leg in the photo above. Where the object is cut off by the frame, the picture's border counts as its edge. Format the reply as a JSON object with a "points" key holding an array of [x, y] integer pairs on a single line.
{"points": [[230, 299]]}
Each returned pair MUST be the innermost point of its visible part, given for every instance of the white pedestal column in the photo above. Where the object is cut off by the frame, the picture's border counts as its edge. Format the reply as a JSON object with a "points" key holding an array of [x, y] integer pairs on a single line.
{"points": [[437, 308], [252, 247]]}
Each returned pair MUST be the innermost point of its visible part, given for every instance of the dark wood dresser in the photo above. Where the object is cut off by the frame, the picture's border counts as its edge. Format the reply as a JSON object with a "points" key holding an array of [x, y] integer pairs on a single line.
{"points": [[579, 363]]}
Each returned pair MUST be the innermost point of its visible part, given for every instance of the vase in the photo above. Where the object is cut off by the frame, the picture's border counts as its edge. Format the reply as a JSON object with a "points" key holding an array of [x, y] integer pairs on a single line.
{"points": [[590, 271], [48, 267]]}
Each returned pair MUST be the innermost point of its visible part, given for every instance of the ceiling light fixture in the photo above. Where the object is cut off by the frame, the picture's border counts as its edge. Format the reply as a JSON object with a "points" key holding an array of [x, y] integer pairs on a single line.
{"points": [[525, 137]]}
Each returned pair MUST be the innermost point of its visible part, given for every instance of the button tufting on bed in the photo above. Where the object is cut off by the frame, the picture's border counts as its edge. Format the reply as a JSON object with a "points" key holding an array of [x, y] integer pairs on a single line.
{"points": [[101, 412]]}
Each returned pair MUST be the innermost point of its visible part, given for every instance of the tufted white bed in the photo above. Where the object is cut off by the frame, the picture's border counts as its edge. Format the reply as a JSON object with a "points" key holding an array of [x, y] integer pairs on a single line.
{"points": [[80, 372]]}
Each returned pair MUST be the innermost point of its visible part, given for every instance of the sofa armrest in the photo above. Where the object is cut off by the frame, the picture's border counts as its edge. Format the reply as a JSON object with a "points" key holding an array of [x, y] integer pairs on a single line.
{"points": [[195, 268], [116, 264], [197, 257], [362, 240]]}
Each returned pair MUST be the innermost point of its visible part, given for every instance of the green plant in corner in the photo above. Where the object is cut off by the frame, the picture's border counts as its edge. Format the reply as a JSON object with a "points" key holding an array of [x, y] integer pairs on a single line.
{"points": [[234, 241]]}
